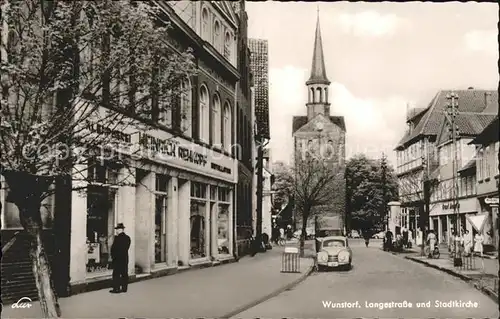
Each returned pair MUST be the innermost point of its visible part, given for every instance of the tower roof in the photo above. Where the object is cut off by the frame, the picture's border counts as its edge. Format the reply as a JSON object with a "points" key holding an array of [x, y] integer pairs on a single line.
{"points": [[318, 70]]}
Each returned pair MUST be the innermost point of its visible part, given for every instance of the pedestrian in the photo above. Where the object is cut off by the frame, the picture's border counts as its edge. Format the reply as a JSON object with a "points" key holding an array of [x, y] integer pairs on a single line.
{"points": [[431, 240], [366, 235], [282, 233], [119, 255], [478, 244], [388, 240], [405, 237], [275, 234], [467, 243]]}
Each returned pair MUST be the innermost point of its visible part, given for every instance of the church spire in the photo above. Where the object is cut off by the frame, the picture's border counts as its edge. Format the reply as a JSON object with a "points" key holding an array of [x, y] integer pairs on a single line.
{"points": [[318, 70]]}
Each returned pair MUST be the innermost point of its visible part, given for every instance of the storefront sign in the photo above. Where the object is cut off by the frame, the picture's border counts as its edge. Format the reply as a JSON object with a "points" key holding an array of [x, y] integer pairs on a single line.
{"points": [[490, 200], [115, 135], [163, 147], [171, 148], [220, 168]]}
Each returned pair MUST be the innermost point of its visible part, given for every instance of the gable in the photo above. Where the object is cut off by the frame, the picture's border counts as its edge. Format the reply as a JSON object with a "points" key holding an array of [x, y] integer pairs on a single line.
{"points": [[299, 121], [311, 126], [228, 11]]}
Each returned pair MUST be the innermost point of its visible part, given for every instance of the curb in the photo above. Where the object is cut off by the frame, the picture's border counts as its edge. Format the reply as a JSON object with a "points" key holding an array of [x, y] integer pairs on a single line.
{"points": [[270, 295], [465, 278]]}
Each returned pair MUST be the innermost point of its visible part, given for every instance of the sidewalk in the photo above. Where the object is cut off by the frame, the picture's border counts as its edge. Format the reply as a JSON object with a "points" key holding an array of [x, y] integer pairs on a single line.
{"points": [[213, 292], [485, 279]]}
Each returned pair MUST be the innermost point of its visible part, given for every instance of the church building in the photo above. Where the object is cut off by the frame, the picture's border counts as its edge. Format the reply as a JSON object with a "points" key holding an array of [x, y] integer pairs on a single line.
{"points": [[322, 132]]}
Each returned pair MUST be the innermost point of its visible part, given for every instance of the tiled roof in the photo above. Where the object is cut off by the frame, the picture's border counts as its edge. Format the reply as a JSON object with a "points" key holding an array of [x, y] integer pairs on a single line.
{"points": [[489, 134], [469, 124], [299, 121], [471, 101]]}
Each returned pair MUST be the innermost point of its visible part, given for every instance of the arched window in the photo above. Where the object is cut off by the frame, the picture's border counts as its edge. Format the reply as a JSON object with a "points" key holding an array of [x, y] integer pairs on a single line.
{"points": [[311, 96], [216, 39], [186, 108], [226, 127], [227, 46], [320, 97], [203, 117], [215, 128], [205, 27]]}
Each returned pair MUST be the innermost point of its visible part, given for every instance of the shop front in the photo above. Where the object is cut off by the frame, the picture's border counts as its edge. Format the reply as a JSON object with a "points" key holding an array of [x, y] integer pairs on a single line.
{"points": [[444, 219], [175, 198], [489, 206]]}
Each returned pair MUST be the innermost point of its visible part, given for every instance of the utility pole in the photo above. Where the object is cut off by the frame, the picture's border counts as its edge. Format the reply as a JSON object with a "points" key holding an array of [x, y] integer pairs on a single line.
{"points": [[424, 218], [384, 190], [451, 114]]}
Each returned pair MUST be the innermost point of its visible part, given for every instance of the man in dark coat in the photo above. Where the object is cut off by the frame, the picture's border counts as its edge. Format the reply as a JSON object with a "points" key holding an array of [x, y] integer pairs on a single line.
{"points": [[119, 254]]}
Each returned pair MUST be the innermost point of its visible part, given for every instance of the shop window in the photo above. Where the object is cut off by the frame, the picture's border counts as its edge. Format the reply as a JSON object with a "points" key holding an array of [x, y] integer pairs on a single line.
{"points": [[161, 183], [160, 228], [223, 229], [198, 226], [100, 227], [101, 172], [223, 194], [213, 193], [198, 190]]}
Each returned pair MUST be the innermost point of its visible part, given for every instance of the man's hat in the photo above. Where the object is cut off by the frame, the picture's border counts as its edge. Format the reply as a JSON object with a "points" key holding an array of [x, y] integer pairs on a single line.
{"points": [[120, 226]]}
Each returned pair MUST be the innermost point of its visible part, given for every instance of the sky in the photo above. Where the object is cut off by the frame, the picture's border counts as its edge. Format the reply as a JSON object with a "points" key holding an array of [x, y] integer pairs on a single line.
{"points": [[380, 58]]}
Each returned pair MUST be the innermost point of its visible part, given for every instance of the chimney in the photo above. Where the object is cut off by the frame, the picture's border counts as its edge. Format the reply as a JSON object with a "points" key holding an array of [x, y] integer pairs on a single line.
{"points": [[487, 100]]}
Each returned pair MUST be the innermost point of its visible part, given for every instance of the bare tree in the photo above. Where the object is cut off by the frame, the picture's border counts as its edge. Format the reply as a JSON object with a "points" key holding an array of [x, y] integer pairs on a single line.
{"points": [[317, 186], [76, 75]]}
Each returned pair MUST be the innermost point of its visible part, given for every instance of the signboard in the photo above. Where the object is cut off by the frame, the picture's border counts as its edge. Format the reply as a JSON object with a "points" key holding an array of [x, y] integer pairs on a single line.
{"points": [[490, 200], [477, 221], [162, 147]]}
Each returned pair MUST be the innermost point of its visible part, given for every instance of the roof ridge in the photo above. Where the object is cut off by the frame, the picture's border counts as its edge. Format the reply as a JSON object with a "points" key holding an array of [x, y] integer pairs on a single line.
{"points": [[431, 108]]}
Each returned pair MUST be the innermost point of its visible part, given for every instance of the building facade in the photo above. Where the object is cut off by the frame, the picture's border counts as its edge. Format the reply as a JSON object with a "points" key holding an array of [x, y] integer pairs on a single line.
{"points": [[447, 211], [417, 152], [320, 131], [267, 194], [176, 196], [244, 135], [487, 176], [259, 66]]}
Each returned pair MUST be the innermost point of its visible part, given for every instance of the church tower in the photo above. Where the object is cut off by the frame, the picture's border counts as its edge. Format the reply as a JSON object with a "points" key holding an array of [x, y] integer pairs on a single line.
{"points": [[318, 83], [321, 134]]}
